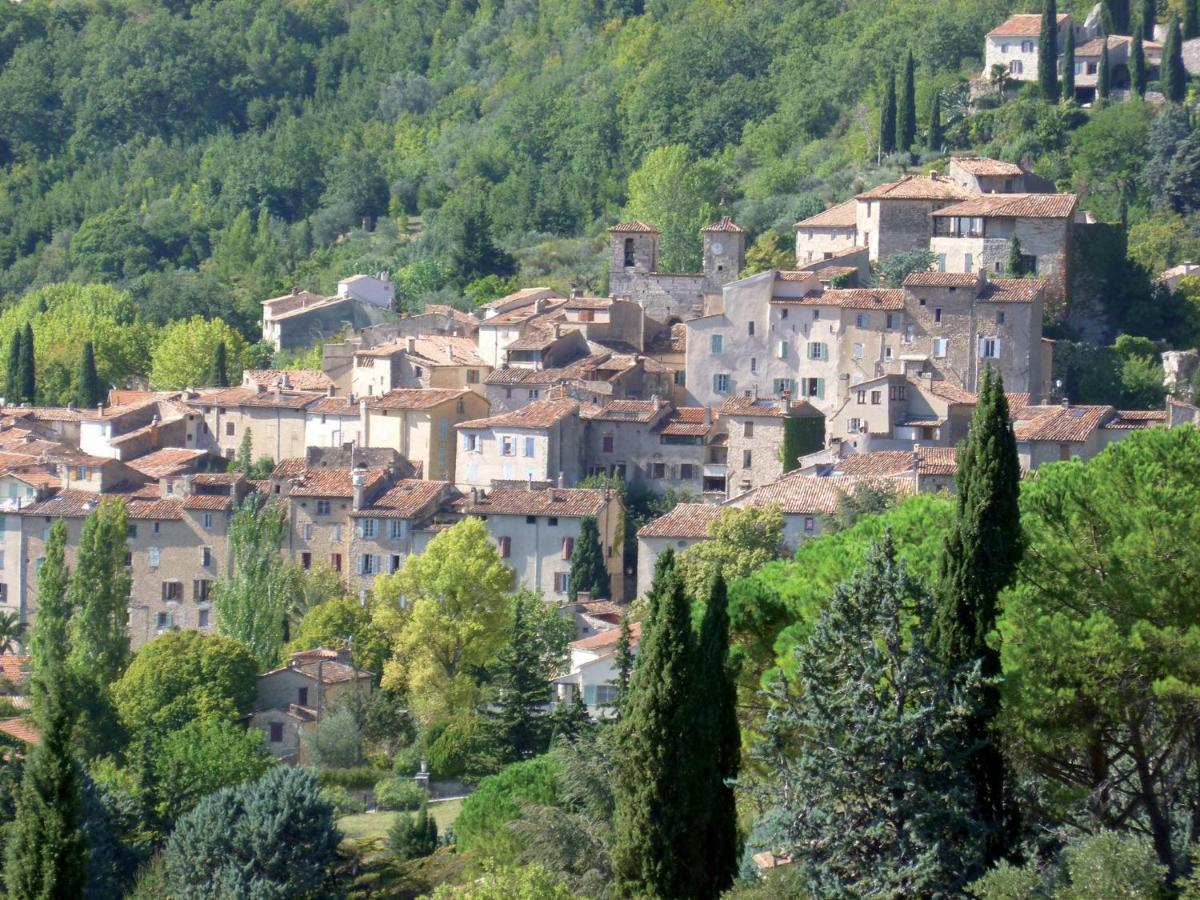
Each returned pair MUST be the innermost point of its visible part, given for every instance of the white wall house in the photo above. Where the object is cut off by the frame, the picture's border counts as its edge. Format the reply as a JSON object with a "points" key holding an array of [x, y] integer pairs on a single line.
{"points": [[378, 290]]}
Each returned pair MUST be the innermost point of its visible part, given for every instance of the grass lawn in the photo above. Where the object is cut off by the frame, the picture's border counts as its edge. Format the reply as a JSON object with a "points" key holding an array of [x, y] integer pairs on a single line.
{"points": [[377, 825]]}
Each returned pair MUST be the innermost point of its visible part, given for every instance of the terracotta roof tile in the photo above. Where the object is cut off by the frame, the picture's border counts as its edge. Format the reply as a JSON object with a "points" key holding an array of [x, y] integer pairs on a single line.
{"points": [[849, 298], [687, 421], [686, 520], [1012, 290], [299, 379], [570, 502], [538, 414], [1016, 206], [985, 166], [627, 411], [1131, 419], [945, 390], [738, 405], [162, 508], [334, 406], [635, 227], [942, 279], [604, 640], [406, 499], [1060, 424], [21, 729], [335, 482], [167, 461], [432, 350], [1023, 25], [888, 463], [726, 224], [14, 668], [843, 215], [918, 187], [209, 502], [249, 396], [416, 398], [806, 494]]}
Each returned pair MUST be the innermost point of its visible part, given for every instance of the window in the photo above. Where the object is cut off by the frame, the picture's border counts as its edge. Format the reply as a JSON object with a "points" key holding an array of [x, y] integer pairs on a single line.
{"points": [[335, 561], [507, 446], [721, 384], [206, 557], [396, 561], [716, 343], [753, 364], [202, 619], [534, 394], [562, 582], [276, 732], [201, 590], [335, 533], [817, 350], [941, 346], [528, 448], [161, 620], [322, 507], [812, 387], [229, 429], [531, 520], [909, 332], [783, 313], [302, 696], [156, 528], [172, 591], [1, 559], [968, 262], [861, 397], [747, 429], [366, 528], [1026, 46], [131, 532], [941, 266], [937, 314], [470, 441], [472, 376], [856, 351], [853, 425], [747, 459], [397, 529], [989, 348], [779, 385], [862, 320], [782, 350], [750, 328], [152, 557], [887, 352], [658, 470], [306, 560], [368, 564], [306, 531], [685, 471], [552, 521], [1064, 452], [896, 392], [629, 252], [505, 547], [816, 315], [1016, 67], [606, 443], [568, 547], [876, 397], [893, 321], [208, 521], [810, 524], [1004, 48], [1000, 318], [417, 373]]}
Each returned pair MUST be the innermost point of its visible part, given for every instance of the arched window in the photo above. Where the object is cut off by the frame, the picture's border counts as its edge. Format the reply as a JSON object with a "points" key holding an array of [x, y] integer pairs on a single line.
{"points": [[629, 251]]}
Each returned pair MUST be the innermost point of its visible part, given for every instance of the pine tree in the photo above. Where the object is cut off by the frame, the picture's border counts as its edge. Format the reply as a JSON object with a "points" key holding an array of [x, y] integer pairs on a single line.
{"points": [[88, 390], [243, 462], [27, 369], [524, 689], [887, 118], [12, 381], [48, 641], [413, 836], [1068, 66], [588, 572], [716, 693], [1137, 65], [655, 850], [936, 137], [1174, 75], [1103, 77], [906, 108], [218, 375], [1016, 265], [1191, 20], [1048, 52], [979, 561], [1147, 18]]}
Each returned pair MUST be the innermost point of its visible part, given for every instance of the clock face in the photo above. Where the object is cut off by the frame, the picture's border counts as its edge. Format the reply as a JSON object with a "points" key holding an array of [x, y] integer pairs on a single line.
{"points": [[717, 247]]}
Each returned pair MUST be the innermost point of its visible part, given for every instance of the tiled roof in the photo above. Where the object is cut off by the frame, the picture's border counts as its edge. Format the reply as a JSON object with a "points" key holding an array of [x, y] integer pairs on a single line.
{"points": [[537, 339], [67, 504], [1095, 46], [918, 187], [942, 279], [945, 390], [335, 482], [538, 414], [797, 274], [167, 461], [208, 502], [801, 495], [849, 298], [405, 499], [21, 729], [738, 405], [888, 463], [627, 411], [525, 294], [725, 223], [549, 502], [432, 350], [249, 396], [14, 668], [635, 227], [844, 215], [984, 166], [327, 671], [299, 379], [588, 303], [527, 314], [293, 300], [1023, 25], [686, 520], [334, 406], [603, 640], [687, 421], [161, 508], [1012, 290], [415, 398], [1132, 419], [43, 413], [1061, 424], [1014, 206]]}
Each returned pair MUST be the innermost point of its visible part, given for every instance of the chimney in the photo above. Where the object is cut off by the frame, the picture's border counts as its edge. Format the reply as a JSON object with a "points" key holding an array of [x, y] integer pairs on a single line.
{"points": [[259, 387], [71, 405], [656, 400], [575, 293], [99, 409], [285, 381], [350, 398], [410, 344], [561, 479], [529, 481], [1066, 403], [707, 417], [331, 390], [785, 401], [474, 495], [295, 290], [557, 330], [359, 484]]}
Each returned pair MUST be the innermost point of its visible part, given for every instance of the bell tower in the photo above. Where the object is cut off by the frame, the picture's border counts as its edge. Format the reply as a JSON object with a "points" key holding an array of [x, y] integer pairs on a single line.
{"points": [[724, 253]]}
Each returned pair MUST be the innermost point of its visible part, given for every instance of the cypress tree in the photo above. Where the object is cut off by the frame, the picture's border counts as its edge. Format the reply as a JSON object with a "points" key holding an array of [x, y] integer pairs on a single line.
{"points": [[1146, 19], [1137, 65], [978, 562], [887, 117], [1016, 265], [906, 108], [88, 390], [27, 369], [936, 138], [716, 692], [623, 662], [1048, 52], [48, 640], [1191, 21], [655, 850], [218, 375], [12, 381], [1174, 75], [1068, 66], [588, 572], [1117, 16], [244, 459], [1103, 77]]}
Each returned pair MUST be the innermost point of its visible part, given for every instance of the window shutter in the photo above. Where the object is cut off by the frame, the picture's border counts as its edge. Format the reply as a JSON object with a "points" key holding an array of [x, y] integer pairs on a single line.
{"points": [[568, 547], [821, 386]]}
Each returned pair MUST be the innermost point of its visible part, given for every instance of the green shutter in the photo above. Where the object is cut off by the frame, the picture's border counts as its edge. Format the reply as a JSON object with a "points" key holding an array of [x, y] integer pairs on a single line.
{"points": [[821, 386]]}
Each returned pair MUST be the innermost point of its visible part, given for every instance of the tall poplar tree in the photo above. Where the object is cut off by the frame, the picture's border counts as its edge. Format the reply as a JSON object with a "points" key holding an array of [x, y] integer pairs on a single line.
{"points": [[979, 561], [1048, 52], [1146, 19], [48, 641], [887, 117], [588, 572], [936, 137], [27, 368], [88, 390], [906, 107], [655, 848], [218, 370], [1137, 65], [1068, 66], [12, 380], [1103, 77], [716, 695], [1174, 75], [623, 661]]}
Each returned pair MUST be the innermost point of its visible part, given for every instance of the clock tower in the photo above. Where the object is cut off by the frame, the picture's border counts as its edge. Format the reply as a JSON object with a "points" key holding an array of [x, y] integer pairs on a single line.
{"points": [[724, 253]]}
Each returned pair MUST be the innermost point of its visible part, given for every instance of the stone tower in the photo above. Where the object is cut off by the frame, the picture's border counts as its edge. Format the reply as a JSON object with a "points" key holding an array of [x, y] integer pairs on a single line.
{"points": [[633, 248], [724, 253]]}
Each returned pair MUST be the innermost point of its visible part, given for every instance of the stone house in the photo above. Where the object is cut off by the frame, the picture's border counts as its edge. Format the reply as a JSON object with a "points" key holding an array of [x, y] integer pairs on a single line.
{"points": [[684, 526], [828, 233], [901, 409], [1014, 44], [1057, 432], [274, 417], [546, 348], [603, 375], [755, 430], [292, 699], [334, 422], [975, 235], [540, 442], [513, 318], [420, 424], [418, 362], [1087, 64], [535, 533], [386, 527], [982, 175], [895, 216], [918, 469], [376, 290], [301, 319]]}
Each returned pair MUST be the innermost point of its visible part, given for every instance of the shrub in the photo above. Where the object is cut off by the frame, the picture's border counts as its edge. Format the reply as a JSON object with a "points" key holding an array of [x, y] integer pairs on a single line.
{"points": [[397, 793], [412, 837], [343, 802], [481, 823], [352, 777], [407, 762]]}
